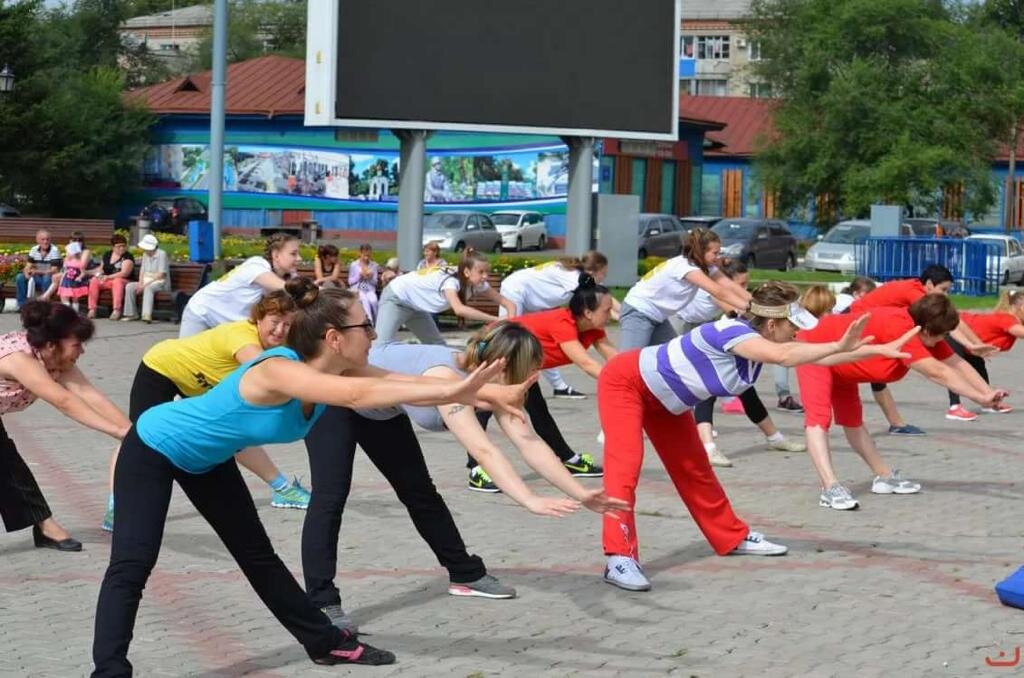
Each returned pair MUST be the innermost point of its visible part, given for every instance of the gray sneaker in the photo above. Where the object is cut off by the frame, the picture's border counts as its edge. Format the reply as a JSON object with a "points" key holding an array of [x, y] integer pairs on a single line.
{"points": [[340, 618], [895, 483], [626, 573], [484, 587], [838, 497]]}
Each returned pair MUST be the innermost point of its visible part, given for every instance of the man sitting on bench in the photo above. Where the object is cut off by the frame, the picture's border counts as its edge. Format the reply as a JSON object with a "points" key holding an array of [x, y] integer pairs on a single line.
{"points": [[43, 263]]}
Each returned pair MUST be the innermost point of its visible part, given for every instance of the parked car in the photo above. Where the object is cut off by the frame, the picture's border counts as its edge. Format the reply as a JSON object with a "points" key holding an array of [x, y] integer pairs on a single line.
{"points": [[1005, 259], [454, 231], [836, 250], [8, 211], [930, 228], [173, 214], [761, 243], [661, 235], [521, 229], [692, 222]]}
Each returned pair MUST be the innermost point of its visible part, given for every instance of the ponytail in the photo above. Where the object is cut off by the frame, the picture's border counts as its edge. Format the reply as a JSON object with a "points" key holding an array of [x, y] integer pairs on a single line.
{"points": [[506, 340], [1008, 300], [697, 245], [587, 296]]}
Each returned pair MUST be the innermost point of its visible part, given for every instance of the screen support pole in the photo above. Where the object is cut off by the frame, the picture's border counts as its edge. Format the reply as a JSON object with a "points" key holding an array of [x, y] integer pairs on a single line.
{"points": [[215, 179], [412, 179], [578, 207]]}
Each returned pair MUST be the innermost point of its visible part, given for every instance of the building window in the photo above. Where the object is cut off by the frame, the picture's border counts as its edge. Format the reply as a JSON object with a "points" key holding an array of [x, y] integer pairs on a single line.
{"points": [[709, 47], [754, 50], [170, 47], [688, 86], [760, 90], [711, 88]]}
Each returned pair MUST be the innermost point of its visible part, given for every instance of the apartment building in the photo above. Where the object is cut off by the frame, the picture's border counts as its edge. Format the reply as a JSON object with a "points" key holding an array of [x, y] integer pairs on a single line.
{"points": [[716, 57]]}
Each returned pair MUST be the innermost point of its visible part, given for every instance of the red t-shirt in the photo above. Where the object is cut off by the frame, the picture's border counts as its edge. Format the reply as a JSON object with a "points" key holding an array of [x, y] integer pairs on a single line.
{"points": [[885, 325], [556, 327], [992, 328], [898, 293]]}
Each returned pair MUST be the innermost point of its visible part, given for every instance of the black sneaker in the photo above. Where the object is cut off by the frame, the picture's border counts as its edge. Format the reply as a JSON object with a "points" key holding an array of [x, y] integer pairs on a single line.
{"points": [[790, 404], [479, 481], [584, 467], [351, 651], [570, 393]]}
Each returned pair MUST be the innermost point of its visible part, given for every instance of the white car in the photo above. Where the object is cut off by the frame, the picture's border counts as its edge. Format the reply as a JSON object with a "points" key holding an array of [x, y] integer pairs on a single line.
{"points": [[1008, 252], [837, 249], [520, 229]]}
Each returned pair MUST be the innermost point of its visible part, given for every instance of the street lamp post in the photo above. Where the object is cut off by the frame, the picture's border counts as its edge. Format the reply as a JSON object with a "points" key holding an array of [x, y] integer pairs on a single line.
{"points": [[6, 80]]}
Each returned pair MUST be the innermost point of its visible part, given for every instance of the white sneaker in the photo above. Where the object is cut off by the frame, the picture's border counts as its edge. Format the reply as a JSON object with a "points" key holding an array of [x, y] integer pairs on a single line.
{"points": [[754, 544], [716, 458], [894, 484], [626, 573], [839, 498], [600, 437], [787, 445]]}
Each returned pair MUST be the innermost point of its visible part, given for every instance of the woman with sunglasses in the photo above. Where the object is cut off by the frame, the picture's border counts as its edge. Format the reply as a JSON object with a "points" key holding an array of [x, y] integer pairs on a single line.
{"points": [[275, 398]]}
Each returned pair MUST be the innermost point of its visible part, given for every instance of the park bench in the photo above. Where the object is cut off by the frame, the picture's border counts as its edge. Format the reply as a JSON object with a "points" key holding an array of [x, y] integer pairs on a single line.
{"points": [[23, 230], [186, 279]]}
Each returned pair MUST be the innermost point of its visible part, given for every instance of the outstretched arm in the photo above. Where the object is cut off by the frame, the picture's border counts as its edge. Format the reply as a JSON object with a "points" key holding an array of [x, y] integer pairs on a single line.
{"points": [[948, 377], [76, 382], [463, 311]]}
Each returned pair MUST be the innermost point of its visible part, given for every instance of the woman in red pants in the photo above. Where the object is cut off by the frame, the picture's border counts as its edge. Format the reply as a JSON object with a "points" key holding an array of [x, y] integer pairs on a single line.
{"points": [[654, 389]]}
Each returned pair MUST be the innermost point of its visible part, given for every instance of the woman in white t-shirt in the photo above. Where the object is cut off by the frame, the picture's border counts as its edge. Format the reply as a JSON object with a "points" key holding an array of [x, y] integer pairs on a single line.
{"points": [[231, 297], [671, 286], [411, 299], [550, 285]]}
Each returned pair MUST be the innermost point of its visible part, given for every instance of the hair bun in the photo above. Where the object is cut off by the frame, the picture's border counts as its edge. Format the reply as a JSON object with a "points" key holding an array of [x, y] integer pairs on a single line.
{"points": [[302, 291], [587, 281], [35, 313]]}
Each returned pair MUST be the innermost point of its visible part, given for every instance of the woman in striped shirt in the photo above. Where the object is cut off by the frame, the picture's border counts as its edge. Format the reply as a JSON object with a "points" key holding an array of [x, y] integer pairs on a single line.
{"points": [[654, 389]]}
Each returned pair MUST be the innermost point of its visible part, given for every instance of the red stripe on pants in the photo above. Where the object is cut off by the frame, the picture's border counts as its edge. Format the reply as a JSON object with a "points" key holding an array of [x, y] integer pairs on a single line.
{"points": [[627, 409]]}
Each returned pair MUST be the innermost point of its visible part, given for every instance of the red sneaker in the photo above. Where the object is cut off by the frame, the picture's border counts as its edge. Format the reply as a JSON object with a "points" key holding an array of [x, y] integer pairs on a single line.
{"points": [[960, 413], [734, 406]]}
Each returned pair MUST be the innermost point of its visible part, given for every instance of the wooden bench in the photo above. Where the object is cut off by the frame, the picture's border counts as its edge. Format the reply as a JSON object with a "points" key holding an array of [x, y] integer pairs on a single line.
{"points": [[186, 279], [479, 303], [23, 230]]}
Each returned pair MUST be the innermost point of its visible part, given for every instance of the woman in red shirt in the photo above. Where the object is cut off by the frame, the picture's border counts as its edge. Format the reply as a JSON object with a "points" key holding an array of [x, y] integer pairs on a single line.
{"points": [[565, 335], [828, 391], [1001, 328]]}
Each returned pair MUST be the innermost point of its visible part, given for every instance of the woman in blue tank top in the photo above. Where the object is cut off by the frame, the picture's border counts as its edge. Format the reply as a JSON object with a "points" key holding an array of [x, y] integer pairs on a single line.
{"points": [[274, 398]]}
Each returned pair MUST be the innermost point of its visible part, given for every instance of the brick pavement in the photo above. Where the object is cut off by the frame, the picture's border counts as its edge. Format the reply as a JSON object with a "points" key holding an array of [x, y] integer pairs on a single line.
{"points": [[903, 585]]}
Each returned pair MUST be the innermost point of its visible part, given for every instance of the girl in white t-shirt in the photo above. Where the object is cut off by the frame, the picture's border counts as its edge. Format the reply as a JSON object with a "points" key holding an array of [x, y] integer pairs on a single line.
{"points": [[411, 299], [550, 285], [231, 297], [671, 286]]}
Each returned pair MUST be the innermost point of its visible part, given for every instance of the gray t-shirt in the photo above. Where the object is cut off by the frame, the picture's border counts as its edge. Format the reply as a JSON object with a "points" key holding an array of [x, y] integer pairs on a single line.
{"points": [[412, 359]]}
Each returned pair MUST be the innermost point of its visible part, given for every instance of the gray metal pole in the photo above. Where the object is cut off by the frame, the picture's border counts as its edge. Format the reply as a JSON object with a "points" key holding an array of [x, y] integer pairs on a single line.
{"points": [[411, 182], [215, 178], [578, 207]]}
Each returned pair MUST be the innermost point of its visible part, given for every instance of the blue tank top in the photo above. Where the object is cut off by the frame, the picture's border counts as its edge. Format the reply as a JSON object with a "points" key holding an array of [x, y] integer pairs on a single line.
{"points": [[196, 434]]}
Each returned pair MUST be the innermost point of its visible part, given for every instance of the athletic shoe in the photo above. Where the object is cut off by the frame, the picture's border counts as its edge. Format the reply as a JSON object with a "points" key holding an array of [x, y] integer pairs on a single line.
{"points": [[479, 481], [754, 544], [340, 618], [998, 409], [787, 445], [570, 393], [484, 587], [734, 406], [790, 404], [108, 520], [294, 496], [960, 413], [894, 484], [839, 498], [600, 437], [351, 651], [716, 458], [584, 467], [906, 430], [626, 573]]}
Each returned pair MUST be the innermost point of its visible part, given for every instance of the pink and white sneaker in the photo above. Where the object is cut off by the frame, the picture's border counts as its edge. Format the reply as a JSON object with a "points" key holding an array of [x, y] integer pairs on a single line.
{"points": [[998, 409], [960, 413]]}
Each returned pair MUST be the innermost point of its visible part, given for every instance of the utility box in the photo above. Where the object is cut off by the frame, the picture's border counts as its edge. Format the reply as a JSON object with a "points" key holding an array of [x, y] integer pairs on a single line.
{"points": [[200, 241], [617, 235]]}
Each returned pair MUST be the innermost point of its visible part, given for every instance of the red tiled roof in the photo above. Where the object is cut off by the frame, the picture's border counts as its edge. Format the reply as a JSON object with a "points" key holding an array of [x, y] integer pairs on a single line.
{"points": [[269, 85], [746, 122]]}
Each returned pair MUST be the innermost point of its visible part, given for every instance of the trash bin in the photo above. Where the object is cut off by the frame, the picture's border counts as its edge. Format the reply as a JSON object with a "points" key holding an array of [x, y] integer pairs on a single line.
{"points": [[310, 231], [139, 230], [200, 241]]}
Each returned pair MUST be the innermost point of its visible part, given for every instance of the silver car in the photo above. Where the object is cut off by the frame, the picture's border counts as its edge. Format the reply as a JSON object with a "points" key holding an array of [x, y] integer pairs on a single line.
{"points": [[521, 229], [455, 231], [836, 250]]}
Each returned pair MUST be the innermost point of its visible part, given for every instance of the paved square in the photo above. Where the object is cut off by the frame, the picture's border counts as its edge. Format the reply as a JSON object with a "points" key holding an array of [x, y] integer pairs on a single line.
{"points": [[904, 585]]}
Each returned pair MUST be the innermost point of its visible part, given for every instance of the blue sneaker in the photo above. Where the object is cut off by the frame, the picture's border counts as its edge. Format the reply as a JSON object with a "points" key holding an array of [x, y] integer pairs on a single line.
{"points": [[108, 519], [294, 496], [906, 430]]}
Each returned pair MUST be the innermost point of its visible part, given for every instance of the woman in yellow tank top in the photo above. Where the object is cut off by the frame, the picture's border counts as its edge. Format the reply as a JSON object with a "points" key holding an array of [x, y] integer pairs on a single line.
{"points": [[192, 365]]}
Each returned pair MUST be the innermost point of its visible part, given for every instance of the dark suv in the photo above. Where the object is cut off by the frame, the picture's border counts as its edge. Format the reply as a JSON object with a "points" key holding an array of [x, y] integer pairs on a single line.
{"points": [[661, 235], [761, 243], [173, 214]]}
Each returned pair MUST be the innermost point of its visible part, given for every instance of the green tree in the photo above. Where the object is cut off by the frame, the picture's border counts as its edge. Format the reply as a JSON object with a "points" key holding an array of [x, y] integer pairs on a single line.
{"points": [[258, 27], [879, 101]]}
